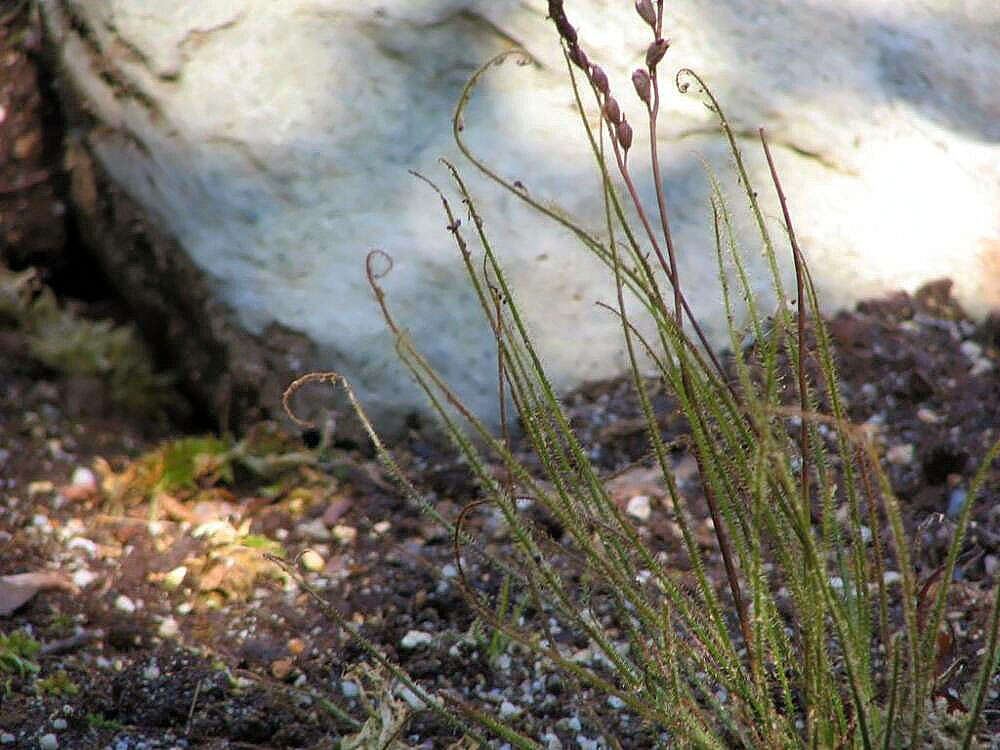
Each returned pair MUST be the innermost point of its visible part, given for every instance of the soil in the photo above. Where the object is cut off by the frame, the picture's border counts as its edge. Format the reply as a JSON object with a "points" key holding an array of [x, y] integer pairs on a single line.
{"points": [[237, 654]]}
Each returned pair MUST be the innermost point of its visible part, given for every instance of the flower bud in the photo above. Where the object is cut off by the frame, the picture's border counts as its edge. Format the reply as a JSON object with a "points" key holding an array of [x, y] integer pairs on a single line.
{"points": [[640, 79], [624, 131], [612, 111], [579, 58], [645, 9], [656, 52], [599, 79], [566, 31]]}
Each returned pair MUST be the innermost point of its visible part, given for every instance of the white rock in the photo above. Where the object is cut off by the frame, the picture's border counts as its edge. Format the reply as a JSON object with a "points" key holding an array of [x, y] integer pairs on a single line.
{"points": [[48, 742], [638, 507], [82, 543], [414, 639], [312, 560], [6, 738], [175, 577], [349, 689], [314, 530], [345, 534], [151, 672], [83, 477], [84, 577], [901, 455], [124, 604], [508, 710], [169, 627], [882, 115], [59, 724]]}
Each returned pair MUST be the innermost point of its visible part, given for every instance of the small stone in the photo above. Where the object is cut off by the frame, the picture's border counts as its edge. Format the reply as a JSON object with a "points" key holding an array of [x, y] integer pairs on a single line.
{"points": [[169, 627], [314, 530], [586, 743], [414, 639], [7, 738], [381, 527], [281, 668], [638, 507], [124, 604], [296, 646], [174, 578], [956, 501], [891, 576], [48, 742], [70, 533], [970, 349], [151, 672], [508, 710], [84, 577], [927, 416], [345, 534], [991, 563], [616, 703], [900, 455], [349, 689], [980, 366], [448, 570], [312, 561], [59, 724]]}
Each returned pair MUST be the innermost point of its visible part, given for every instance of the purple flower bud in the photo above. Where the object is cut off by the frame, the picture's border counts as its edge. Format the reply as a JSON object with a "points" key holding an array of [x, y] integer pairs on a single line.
{"points": [[566, 31], [645, 9], [640, 79], [624, 131], [656, 52], [599, 79], [611, 110], [579, 58]]}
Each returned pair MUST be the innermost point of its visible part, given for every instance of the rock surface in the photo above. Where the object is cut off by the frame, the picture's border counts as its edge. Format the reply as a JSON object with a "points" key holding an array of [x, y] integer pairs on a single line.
{"points": [[268, 146]]}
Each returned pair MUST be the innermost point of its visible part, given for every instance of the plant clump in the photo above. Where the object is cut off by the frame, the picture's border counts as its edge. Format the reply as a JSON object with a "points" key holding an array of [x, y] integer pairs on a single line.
{"points": [[803, 639]]}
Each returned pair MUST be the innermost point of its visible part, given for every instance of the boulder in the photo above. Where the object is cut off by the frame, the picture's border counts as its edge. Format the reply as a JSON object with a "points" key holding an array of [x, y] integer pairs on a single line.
{"points": [[260, 149]]}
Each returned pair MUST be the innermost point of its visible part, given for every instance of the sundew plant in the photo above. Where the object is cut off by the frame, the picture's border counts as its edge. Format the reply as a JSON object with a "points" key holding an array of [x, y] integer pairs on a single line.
{"points": [[800, 506]]}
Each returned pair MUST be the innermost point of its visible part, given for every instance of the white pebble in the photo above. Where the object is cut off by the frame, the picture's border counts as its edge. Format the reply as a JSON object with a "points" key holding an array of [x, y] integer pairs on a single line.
{"points": [[48, 742], [345, 534], [312, 561], [84, 577], [59, 724], [314, 530], [174, 578], [980, 366], [169, 627], [616, 703], [970, 349], [638, 507], [508, 710], [900, 455], [87, 545], [414, 639], [83, 477], [350, 689], [152, 672], [124, 604], [991, 563]]}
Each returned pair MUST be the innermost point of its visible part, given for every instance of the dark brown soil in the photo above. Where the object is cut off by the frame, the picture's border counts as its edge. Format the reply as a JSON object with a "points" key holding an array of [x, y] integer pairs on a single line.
{"points": [[246, 659]]}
